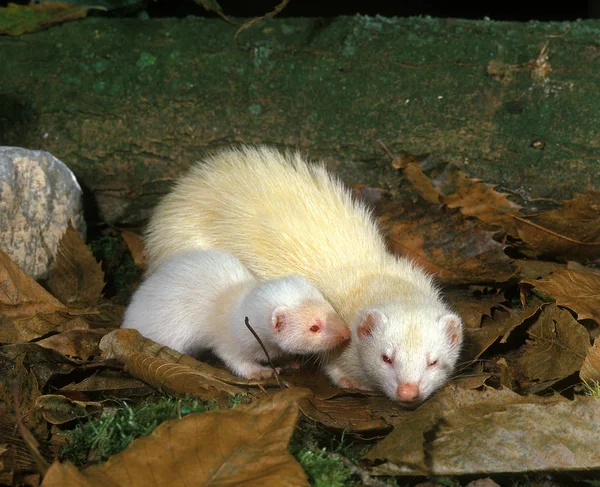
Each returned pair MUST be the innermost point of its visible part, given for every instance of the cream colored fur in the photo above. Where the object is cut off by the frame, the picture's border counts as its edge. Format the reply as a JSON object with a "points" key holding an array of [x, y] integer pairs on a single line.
{"points": [[281, 216]]}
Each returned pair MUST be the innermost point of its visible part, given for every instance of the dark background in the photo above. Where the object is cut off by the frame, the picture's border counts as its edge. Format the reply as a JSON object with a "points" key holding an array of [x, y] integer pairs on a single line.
{"points": [[494, 9]]}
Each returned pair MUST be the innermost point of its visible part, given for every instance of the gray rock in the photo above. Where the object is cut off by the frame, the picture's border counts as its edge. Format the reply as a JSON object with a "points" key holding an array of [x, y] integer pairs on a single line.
{"points": [[39, 195]]}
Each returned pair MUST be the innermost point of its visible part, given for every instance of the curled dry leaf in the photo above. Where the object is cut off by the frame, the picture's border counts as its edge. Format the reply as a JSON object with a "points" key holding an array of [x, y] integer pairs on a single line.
{"points": [[590, 370], [569, 232], [472, 307], [490, 431], [352, 414], [75, 344], [446, 244], [135, 243], [496, 328], [76, 278], [242, 446], [20, 295], [121, 343], [557, 346], [178, 380], [110, 383], [59, 409], [578, 291]]}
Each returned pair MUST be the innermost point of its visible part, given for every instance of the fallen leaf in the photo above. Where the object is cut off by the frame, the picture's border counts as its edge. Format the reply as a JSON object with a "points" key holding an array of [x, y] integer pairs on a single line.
{"points": [[109, 383], [76, 278], [351, 414], [590, 370], [472, 307], [557, 346], [578, 291], [58, 409], [242, 446], [492, 431], [536, 269], [121, 343], [446, 243], [43, 363], [569, 232], [20, 295], [476, 198], [135, 243], [496, 329], [17, 20], [75, 344]]}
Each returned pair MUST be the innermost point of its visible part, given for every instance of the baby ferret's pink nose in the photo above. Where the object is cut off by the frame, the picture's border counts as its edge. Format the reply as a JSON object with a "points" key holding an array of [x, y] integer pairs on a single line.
{"points": [[408, 392]]}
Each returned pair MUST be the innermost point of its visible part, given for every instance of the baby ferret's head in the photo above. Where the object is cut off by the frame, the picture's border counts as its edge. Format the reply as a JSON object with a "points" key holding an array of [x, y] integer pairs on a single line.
{"points": [[302, 319]]}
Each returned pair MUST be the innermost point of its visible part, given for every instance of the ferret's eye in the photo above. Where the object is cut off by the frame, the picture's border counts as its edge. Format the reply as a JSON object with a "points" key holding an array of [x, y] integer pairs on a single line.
{"points": [[386, 359], [315, 328], [433, 363]]}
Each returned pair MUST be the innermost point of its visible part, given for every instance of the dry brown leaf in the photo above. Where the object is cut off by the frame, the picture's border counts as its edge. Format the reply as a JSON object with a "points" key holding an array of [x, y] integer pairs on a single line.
{"points": [[472, 307], [470, 432], [578, 291], [59, 409], [590, 370], [351, 414], [63, 474], [178, 379], [135, 243], [242, 446], [75, 344], [20, 295], [121, 343], [446, 243], [476, 198], [43, 363], [536, 269], [76, 278], [557, 346], [109, 383], [499, 326], [569, 232]]}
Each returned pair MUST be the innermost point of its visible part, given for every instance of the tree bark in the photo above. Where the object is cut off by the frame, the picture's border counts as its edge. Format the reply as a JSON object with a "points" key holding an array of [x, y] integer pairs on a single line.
{"points": [[129, 104]]}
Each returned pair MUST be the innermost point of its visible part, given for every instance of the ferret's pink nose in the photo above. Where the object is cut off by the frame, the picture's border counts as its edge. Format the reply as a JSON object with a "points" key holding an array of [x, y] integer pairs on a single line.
{"points": [[408, 392]]}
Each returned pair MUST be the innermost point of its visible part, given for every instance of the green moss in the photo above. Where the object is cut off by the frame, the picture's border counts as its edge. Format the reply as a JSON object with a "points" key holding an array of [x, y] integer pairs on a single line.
{"points": [[99, 438]]}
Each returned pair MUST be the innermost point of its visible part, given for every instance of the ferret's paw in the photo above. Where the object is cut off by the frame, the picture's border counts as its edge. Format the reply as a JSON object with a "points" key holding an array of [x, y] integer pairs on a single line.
{"points": [[340, 379], [347, 383], [255, 371], [296, 364]]}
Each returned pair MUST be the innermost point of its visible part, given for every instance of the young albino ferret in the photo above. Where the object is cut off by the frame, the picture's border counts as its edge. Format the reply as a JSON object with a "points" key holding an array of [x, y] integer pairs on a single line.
{"points": [[281, 215], [199, 300]]}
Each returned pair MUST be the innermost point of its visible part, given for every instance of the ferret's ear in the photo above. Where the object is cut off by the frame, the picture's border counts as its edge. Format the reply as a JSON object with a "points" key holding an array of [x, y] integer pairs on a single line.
{"points": [[368, 322], [280, 318], [453, 326]]}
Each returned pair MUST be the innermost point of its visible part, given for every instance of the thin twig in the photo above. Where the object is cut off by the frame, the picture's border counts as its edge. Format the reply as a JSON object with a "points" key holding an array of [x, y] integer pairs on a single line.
{"points": [[270, 15], [264, 350]]}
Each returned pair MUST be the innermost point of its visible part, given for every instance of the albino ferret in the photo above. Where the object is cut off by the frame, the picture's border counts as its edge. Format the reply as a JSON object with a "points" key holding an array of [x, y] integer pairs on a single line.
{"points": [[198, 300], [282, 216]]}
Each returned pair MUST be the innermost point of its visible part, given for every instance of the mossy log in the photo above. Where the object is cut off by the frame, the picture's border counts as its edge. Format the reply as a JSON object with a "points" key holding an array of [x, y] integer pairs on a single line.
{"points": [[129, 104]]}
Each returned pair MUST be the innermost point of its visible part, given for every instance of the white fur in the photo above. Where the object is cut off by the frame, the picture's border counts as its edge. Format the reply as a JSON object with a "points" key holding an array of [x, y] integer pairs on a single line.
{"points": [[281, 216], [199, 299]]}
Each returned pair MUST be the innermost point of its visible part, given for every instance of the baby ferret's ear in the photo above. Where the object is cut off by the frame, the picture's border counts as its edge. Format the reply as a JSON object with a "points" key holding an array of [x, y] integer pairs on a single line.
{"points": [[369, 322], [280, 318], [454, 329]]}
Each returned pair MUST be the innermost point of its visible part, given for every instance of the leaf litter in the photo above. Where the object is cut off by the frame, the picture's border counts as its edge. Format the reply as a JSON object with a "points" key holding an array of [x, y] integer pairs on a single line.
{"points": [[531, 326]]}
